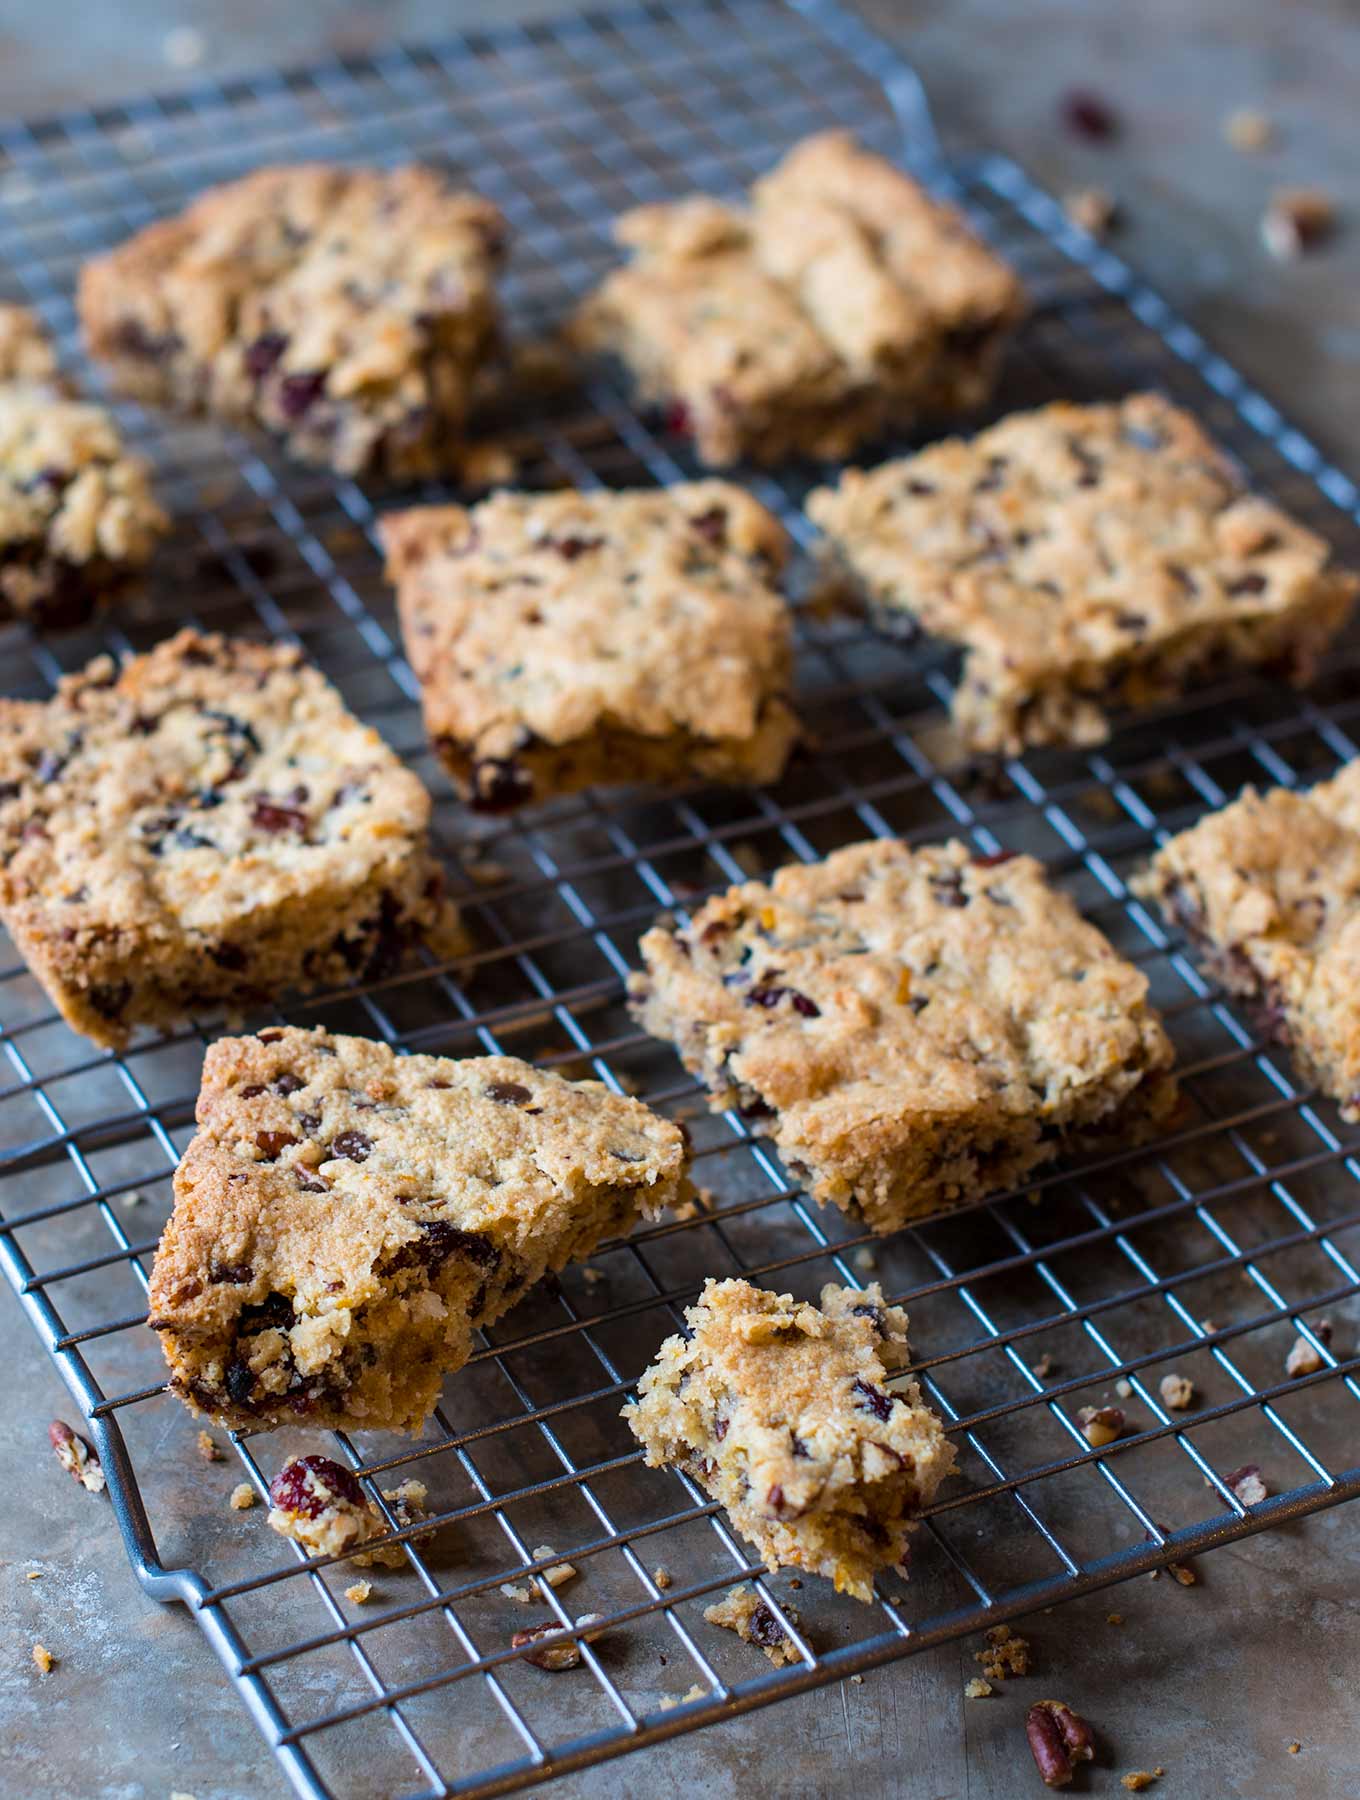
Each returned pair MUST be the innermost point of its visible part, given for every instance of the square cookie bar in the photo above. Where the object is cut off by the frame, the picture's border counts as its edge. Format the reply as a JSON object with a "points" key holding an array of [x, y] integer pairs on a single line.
{"points": [[345, 1218], [571, 640], [914, 1028], [205, 825], [349, 311], [842, 300], [1084, 558], [778, 1409], [1268, 892], [78, 519]]}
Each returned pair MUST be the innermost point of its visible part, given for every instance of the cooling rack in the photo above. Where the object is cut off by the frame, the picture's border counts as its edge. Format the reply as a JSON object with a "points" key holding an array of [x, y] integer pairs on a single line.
{"points": [[1205, 1254]]}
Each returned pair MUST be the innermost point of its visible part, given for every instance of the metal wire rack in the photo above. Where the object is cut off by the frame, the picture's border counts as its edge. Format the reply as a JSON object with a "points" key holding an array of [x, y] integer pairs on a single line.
{"points": [[1207, 1253]]}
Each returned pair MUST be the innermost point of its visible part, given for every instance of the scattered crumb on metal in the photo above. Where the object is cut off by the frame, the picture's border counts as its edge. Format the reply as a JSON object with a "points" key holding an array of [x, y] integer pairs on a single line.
{"points": [[1093, 211], [662, 1576], [209, 1448], [359, 1592], [1248, 130], [43, 1659], [978, 1689], [243, 1497], [1177, 1392], [865, 1258], [1297, 220], [1114, 1618]]}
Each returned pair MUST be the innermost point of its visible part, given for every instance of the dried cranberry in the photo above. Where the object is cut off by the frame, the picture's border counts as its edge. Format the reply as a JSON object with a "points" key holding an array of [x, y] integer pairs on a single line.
{"points": [[507, 1093], [765, 1628], [719, 1430], [271, 1144], [572, 546], [1087, 115], [712, 525], [353, 1144], [993, 859], [775, 1498], [262, 355], [678, 419], [872, 1399], [301, 1486], [298, 393], [771, 996], [268, 815]]}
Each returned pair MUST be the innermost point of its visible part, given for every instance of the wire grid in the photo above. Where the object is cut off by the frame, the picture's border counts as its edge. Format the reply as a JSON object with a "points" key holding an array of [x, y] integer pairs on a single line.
{"points": [[1205, 1254]]}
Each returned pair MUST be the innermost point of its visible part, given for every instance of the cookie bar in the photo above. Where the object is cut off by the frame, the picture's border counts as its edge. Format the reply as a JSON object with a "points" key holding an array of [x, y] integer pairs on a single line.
{"points": [[778, 1409], [1268, 891], [349, 311], [205, 825], [78, 520], [842, 300], [914, 1028], [569, 640], [1084, 558], [345, 1218]]}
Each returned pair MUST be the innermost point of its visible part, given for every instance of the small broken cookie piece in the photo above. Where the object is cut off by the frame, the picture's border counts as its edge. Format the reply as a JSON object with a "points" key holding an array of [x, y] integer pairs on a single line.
{"points": [[351, 312], [845, 298], [321, 1506], [742, 1610], [78, 1457], [1085, 559], [1268, 892], [915, 1028], [206, 825], [571, 640], [78, 519], [345, 1218], [779, 1409]]}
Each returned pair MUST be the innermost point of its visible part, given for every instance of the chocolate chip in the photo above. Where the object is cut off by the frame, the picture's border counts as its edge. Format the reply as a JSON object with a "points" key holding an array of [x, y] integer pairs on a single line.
{"points": [[765, 1628], [287, 1083], [499, 784], [800, 1449], [268, 815], [309, 1182], [439, 1241], [109, 999], [771, 996], [572, 546], [353, 1144], [228, 956], [240, 1381], [505, 1093], [712, 525], [250, 1093], [1252, 583], [230, 1274], [1087, 115]]}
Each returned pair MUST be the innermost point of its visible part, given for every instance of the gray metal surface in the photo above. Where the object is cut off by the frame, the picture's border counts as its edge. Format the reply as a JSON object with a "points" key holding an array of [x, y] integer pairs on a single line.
{"points": [[1206, 1253]]}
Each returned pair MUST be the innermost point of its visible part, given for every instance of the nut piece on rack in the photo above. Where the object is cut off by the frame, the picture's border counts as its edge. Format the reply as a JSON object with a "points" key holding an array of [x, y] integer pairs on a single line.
{"points": [[349, 311], [1100, 1425], [78, 519], [1058, 1741], [205, 826], [1085, 559], [843, 299], [570, 640], [79, 1458], [345, 1219], [780, 1409], [553, 1651], [915, 1028], [742, 1610]]}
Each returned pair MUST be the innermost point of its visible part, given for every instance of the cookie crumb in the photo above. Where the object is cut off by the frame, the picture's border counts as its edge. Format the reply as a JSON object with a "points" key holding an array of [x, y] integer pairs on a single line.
{"points": [[1247, 1484], [33, 1575], [858, 1680], [695, 1692], [978, 1689], [1177, 1392], [1182, 1573], [1138, 1779], [1005, 1654], [743, 1611], [133, 1198], [1043, 1368], [209, 1448], [514, 1590], [43, 1659], [1248, 130], [1123, 1388], [865, 1259], [559, 1573], [662, 1576], [243, 1497], [1297, 220], [1114, 1618], [1303, 1359], [359, 1592], [1294, 1748], [1092, 210]]}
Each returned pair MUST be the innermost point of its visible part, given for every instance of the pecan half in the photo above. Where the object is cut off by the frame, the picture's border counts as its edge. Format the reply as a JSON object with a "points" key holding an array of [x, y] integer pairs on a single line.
{"points": [[78, 1458], [1058, 1741]]}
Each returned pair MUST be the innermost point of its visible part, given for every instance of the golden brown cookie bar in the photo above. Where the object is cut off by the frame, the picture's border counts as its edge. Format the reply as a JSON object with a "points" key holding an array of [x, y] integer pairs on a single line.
{"points": [[914, 1028], [842, 300], [779, 1409], [345, 1219], [1084, 558], [78, 520], [204, 826], [571, 640], [1268, 891], [348, 311]]}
